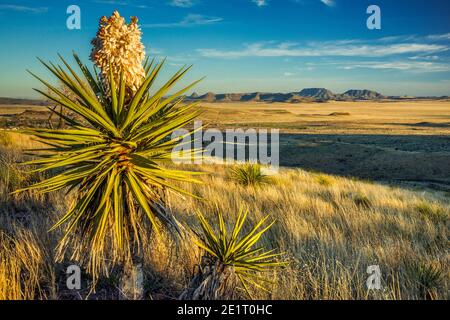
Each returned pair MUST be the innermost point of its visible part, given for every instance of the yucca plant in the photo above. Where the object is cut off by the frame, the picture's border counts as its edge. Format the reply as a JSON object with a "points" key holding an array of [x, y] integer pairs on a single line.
{"points": [[113, 154], [427, 276], [248, 174], [231, 257]]}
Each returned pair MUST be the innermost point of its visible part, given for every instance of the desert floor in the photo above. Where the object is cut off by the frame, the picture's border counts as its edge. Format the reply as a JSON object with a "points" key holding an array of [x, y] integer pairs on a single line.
{"points": [[405, 142]]}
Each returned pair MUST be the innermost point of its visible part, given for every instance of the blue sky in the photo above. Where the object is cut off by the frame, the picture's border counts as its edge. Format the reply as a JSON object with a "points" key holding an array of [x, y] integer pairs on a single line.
{"points": [[249, 45]]}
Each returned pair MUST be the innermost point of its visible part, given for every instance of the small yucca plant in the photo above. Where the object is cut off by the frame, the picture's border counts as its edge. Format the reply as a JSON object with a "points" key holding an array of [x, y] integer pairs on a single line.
{"points": [[231, 257], [112, 153], [248, 174], [427, 276]]}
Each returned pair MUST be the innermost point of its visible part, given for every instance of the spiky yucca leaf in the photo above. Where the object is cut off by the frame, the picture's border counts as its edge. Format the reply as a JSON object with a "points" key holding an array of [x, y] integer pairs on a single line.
{"points": [[237, 249], [112, 157]]}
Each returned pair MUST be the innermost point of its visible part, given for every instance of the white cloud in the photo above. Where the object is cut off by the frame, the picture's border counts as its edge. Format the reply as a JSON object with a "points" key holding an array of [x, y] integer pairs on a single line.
{"points": [[260, 3], [112, 2], [11, 7], [323, 49], [182, 3], [121, 3], [445, 36], [288, 74], [308, 68], [403, 38], [200, 19], [425, 57], [188, 21], [417, 66], [329, 3]]}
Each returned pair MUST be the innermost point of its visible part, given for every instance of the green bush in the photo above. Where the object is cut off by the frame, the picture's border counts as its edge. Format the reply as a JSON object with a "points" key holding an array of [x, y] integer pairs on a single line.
{"points": [[248, 174]]}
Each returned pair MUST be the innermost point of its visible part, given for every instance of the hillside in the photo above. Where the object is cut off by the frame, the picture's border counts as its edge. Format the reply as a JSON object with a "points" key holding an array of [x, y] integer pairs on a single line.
{"points": [[317, 93], [330, 227], [364, 94]]}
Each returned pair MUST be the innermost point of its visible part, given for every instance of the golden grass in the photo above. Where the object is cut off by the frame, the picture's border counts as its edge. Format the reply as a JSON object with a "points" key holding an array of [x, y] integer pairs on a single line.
{"points": [[363, 117], [334, 228], [20, 262], [331, 227], [424, 117]]}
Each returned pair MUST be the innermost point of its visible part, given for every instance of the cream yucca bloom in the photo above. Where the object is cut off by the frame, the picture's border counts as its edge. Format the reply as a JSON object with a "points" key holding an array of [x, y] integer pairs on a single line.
{"points": [[118, 45]]}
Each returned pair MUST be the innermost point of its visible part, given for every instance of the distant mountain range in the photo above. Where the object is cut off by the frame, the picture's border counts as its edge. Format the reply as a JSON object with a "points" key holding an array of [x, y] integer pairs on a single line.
{"points": [[308, 94], [29, 102], [304, 95]]}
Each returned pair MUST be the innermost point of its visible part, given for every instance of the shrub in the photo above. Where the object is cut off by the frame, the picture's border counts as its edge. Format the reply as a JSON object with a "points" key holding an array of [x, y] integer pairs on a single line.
{"points": [[248, 174]]}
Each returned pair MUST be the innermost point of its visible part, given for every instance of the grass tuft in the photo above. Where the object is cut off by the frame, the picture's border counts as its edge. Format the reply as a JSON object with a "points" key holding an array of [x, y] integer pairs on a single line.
{"points": [[432, 211], [5, 139], [21, 263], [248, 174], [362, 200], [324, 180]]}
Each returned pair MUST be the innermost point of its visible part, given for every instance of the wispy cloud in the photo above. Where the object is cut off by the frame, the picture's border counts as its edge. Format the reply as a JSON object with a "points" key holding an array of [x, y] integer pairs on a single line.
{"points": [[260, 3], [188, 21], [415, 66], [324, 49], [12, 7], [404, 38], [182, 3], [307, 68], [445, 36], [329, 3], [113, 2], [425, 57], [121, 3]]}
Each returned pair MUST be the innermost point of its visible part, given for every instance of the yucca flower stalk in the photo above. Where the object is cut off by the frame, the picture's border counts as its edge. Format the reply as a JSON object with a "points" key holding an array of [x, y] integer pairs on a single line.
{"points": [[117, 48], [113, 154], [231, 258]]}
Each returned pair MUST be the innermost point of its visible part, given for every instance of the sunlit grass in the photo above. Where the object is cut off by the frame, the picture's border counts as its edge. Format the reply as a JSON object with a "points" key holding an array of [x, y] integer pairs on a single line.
{"points": [[330, 232]]}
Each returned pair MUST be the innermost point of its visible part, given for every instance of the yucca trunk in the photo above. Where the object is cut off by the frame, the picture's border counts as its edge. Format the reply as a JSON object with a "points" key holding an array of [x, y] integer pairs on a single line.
{"points": [[132, 280], [212, 281], [131, 284]]}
